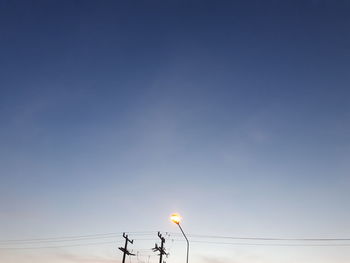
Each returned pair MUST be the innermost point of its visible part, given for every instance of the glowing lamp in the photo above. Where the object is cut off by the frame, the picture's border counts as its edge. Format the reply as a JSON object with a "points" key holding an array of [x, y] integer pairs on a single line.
{"points": [[176, 218]]}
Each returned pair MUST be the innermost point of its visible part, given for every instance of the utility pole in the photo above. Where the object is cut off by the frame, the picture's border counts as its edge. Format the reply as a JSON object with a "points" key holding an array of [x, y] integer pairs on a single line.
{"points": [[160, 249], [125, 248]]}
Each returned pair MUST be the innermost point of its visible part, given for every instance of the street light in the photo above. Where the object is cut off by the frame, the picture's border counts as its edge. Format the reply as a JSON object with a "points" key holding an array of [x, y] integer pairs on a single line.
{"points": [[176, 218]]}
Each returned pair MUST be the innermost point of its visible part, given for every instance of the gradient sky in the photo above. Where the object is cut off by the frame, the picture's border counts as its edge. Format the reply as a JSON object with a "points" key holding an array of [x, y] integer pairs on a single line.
{"points": [[236, 114]]}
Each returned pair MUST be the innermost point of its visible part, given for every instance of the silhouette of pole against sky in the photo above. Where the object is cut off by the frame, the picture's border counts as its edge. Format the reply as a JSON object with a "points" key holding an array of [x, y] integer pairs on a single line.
{"points": [[125, 248], [161, 249]]}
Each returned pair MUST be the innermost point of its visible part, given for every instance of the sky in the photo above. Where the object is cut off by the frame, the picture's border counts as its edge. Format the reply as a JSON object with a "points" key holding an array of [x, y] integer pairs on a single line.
{"points": [[115, 114]]}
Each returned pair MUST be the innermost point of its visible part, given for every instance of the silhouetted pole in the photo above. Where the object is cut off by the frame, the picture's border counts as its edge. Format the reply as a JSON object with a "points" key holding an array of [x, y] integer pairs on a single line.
{"points": [[125, 248], [161, 249]]}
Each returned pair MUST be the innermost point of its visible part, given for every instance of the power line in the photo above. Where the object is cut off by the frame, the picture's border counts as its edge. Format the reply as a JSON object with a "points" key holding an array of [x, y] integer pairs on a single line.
{"points": [[192, 241], [269, 238], [58, 241], [69, 238], [209, 239], [65, 240], [5, 246], [145, 233], [269, 244], [60, 246]]}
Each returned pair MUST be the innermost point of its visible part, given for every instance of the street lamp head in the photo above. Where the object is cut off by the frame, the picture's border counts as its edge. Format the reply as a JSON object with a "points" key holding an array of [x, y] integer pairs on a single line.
{"points": [[176, 218]]}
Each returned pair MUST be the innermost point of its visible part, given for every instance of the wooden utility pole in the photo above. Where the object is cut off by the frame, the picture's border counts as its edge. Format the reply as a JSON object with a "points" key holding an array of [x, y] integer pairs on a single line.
{"points": [[160, 249], [125, 248]]}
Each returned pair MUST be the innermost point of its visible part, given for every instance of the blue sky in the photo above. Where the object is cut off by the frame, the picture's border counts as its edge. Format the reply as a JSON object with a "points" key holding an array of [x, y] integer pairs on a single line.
{"points": [[233, 113]]}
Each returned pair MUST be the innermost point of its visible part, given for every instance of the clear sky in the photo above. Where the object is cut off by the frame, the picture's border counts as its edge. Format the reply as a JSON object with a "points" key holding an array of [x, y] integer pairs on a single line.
{"points": [[114, 114]]}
